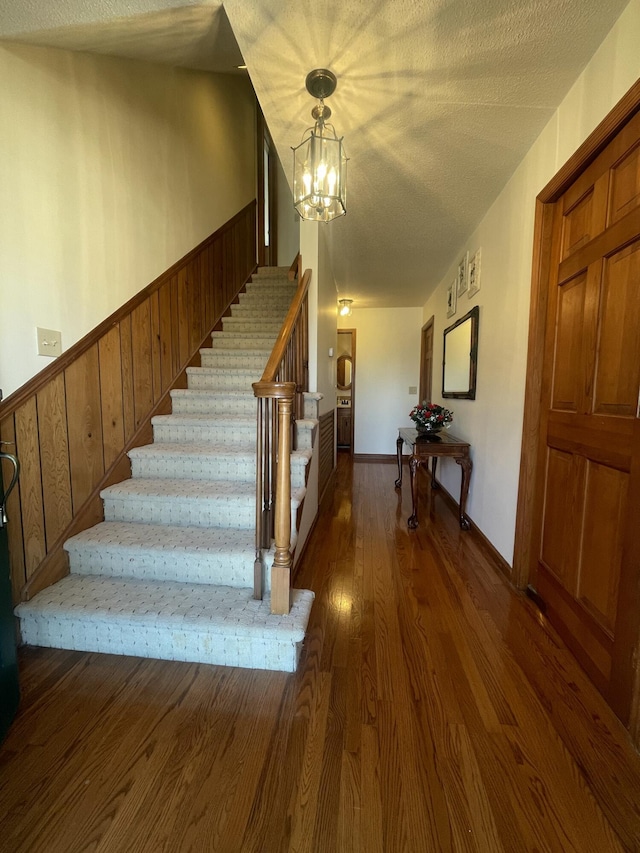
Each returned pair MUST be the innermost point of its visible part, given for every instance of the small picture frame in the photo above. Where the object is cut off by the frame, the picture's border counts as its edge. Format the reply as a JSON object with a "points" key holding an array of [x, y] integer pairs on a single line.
{"points": [[462, 280], [474, 275], [451, 298]]}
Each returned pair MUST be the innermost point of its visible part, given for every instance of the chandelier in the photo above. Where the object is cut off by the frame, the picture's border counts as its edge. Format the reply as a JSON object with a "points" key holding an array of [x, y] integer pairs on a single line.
{"points": [[319, 161]]}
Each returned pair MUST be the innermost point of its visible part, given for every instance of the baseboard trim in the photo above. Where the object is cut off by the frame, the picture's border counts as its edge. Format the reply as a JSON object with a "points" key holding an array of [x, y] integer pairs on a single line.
{"points": [[490, 550]]}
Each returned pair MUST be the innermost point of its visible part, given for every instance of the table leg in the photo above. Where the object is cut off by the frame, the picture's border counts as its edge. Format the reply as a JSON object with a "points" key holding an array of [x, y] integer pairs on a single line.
{"points": [[434, 463], [414, 464], [466, 465], [399, 443]]}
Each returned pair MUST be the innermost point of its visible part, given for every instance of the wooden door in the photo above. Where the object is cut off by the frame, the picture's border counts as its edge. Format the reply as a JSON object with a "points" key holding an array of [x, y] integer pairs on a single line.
{"points": [[426, 361], [586, 565]]}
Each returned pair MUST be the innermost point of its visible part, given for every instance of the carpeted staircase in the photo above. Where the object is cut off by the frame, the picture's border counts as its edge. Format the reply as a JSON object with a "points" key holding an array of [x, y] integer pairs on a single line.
{"points": [[169, 573]]}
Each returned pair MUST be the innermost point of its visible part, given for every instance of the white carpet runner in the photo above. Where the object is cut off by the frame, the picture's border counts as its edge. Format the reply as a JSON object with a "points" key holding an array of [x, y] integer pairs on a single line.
{"points": [[169, 573]]}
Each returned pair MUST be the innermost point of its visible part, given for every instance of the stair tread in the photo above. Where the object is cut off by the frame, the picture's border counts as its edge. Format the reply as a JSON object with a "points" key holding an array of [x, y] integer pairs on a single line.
{"points": [[207, 449], [203, 418], [202, 393], [130, 537], [162, 488], [220, 609]]}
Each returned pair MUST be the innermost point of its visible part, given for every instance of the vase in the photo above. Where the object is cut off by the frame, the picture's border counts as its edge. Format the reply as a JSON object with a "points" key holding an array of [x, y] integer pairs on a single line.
{"points": [[430, 433]]}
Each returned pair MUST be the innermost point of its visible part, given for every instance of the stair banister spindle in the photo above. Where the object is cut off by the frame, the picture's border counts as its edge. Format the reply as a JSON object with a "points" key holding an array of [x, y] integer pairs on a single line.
{"points": [[257, 566]]}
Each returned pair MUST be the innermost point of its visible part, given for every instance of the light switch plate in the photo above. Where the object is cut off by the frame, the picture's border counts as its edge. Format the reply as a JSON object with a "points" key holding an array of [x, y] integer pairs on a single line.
{"points": [[413, 389], [49, 342]]}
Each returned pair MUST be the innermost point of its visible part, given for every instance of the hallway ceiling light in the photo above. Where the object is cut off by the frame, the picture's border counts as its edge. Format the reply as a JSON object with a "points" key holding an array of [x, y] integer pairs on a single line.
{"points": [[319, 162], [345, 307]]}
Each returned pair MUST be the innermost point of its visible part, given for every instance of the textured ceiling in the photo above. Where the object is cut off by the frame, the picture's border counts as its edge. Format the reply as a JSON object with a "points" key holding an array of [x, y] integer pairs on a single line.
{"points": [[438, 100]]}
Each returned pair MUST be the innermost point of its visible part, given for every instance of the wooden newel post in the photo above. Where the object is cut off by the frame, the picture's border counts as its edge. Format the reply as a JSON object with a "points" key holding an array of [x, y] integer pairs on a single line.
{"points": [[281, 569], [282, 394]]}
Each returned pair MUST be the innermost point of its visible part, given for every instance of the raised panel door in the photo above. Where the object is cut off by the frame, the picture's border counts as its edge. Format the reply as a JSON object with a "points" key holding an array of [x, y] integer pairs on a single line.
{"points": [[587, 566]]}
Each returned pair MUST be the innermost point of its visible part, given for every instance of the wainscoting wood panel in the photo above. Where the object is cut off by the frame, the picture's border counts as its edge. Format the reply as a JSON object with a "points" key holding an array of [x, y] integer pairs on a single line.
{"points": [[32, 509], [327, 449], [127, 377], [154, 304], [73, 423], [111, 395], [82, 379], [54, 457], [142, 366], [166, 352], [183, 317]]}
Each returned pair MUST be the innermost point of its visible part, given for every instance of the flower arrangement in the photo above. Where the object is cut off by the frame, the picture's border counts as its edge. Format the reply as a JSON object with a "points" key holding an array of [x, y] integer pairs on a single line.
{"points": [[430, 417]]}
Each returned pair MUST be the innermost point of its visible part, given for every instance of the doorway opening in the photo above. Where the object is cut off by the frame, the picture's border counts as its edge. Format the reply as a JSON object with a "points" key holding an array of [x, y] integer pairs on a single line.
{"points": [[346, 385]]}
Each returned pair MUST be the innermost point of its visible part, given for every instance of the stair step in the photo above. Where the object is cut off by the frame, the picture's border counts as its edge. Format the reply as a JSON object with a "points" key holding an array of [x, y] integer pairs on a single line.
{"points": [[252, 326], [238, 379], [271, 284], [164, 552], [268, 300], [272, 272], [252, 360], [170, 621], [194, 461], [226, 430], [242, 340], [185, 503], [204, 401], [270, 314]]}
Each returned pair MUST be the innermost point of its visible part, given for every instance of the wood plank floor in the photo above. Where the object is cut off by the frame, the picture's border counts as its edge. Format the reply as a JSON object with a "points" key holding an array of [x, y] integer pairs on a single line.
{"points": [[433, 710]]}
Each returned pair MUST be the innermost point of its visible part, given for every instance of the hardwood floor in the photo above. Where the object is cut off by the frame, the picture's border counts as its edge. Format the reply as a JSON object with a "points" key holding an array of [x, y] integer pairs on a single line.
{"points": [[433, 710]]}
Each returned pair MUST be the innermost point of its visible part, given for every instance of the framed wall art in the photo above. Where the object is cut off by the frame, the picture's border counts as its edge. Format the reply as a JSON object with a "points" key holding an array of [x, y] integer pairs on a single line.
{"points": [[462, 281], [451, 298], [474, 274]]}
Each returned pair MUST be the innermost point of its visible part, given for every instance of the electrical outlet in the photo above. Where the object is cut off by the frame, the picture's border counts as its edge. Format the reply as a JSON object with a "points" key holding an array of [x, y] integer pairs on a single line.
{"points": [[49, 342], [413, 389]]}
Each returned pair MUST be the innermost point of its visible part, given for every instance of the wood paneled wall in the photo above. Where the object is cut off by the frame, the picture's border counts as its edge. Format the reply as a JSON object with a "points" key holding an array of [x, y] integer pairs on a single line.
{"points": [[327, 450], [73, 423]]}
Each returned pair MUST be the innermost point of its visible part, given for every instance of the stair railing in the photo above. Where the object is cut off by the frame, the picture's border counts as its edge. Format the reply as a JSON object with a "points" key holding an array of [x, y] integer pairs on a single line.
{"points": [[280, 398]]}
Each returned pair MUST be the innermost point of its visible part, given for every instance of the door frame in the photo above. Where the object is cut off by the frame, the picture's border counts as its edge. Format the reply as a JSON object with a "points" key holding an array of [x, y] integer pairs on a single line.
{"points": [[423, 331], [525, 533], [266, 179]]}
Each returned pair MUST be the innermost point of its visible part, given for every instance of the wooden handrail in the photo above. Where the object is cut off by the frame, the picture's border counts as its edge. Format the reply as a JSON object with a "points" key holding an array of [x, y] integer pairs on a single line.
{"points": [[295, 268], [280, 346], [280, 397]]}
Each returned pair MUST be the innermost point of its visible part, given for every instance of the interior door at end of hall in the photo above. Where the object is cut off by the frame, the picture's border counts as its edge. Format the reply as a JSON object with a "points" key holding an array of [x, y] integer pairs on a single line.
{"points": [[9, 690], [587, 565], [426, 360]]}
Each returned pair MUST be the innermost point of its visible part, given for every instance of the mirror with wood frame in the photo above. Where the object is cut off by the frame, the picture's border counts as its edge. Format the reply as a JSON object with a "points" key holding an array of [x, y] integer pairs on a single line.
{"points": [[460, 357], [344, 372]]}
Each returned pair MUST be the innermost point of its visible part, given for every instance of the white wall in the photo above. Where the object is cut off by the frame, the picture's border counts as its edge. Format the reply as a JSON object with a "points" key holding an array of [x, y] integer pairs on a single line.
{"points": [[387, 363], [111, 170], [493, 422]]}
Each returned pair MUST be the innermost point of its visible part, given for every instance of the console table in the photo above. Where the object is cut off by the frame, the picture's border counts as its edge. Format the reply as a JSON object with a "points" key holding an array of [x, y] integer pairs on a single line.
{"points": [[423, 449]]}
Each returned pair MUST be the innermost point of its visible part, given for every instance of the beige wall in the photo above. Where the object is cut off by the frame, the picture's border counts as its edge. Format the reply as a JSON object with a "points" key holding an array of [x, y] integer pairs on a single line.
{"points": [[111, 170], [387, 364], [288, 221], [493, 422], [322, 312]]}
